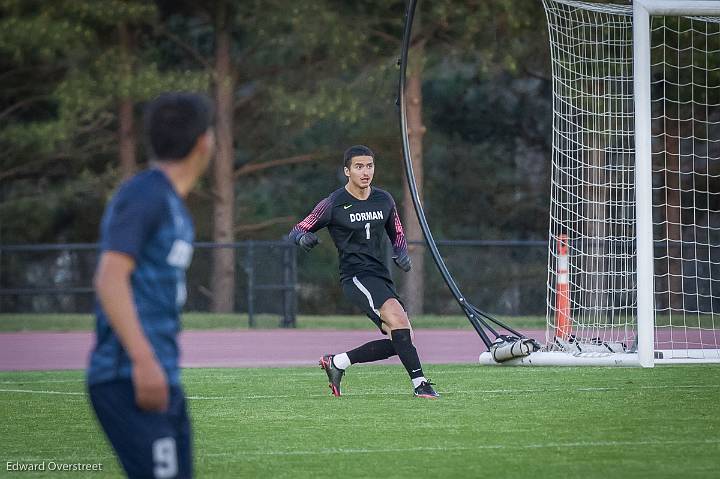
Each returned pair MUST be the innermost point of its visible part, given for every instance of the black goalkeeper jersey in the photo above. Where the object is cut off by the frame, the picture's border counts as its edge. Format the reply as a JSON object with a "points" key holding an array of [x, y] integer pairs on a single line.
{"points": [[357, 228]]}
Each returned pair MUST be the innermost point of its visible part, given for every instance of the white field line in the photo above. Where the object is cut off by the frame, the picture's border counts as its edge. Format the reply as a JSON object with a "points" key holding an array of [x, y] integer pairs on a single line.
{"points": [[430, 449], [362, 371], [65, 459], [403, 393], [43, 381], [550, 445], [221, 375], [33, 391]]}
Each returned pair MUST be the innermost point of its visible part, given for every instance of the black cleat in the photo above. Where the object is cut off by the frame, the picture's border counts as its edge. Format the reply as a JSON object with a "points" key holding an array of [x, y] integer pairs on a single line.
{"points": [[425, 390], [334, 374]]}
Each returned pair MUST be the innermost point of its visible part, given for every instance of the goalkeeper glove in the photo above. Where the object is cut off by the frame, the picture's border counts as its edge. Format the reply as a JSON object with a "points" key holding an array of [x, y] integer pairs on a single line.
{"points": [[308, 241], [403, 262]]}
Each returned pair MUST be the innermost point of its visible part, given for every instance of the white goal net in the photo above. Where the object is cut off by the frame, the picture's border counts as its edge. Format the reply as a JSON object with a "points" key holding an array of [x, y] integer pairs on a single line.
{"points": [[595, 238]]}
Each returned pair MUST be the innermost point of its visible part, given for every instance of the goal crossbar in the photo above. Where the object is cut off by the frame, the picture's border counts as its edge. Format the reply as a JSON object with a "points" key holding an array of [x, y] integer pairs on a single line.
{"points": [[678, 7]]}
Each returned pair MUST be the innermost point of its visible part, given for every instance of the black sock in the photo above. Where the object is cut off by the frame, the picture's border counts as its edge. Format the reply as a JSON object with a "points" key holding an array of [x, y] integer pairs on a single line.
{"points": [[372, 351], [406, 351]]}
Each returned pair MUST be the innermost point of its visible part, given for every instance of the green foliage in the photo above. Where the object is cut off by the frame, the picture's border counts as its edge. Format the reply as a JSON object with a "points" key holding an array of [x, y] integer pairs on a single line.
{"points": [[312, 77], [43, 39], [66, 73], [106, 12]]}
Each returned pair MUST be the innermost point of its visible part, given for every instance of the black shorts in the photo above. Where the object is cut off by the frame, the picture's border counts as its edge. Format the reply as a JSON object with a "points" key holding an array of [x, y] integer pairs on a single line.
{"points": [[148, 444], [369, 293]]}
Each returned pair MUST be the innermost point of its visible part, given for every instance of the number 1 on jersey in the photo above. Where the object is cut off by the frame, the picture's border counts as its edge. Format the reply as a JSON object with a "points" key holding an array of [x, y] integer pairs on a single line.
{"points": [[367, 230]]}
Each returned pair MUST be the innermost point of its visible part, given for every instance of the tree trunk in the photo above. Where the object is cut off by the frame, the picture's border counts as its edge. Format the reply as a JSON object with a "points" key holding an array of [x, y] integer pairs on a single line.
{"points": [[672, 268], [128, 161], [414, 284], [223, 271], [595, 215], [127, 138]]}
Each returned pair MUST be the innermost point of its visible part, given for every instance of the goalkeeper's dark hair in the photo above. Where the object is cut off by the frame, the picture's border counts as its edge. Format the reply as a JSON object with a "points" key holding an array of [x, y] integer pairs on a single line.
{"points": [[357, 150], [173, 123]]}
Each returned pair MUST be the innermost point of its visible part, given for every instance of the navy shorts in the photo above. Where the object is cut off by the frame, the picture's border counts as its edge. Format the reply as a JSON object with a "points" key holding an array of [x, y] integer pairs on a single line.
{"points": [[148, 444], [369, 293]]}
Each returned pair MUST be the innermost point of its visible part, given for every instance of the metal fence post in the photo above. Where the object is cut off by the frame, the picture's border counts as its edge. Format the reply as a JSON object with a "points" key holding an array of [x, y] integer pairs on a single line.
{"points": [[250, 270], [293, 276], [1, 267], [288, 320]]}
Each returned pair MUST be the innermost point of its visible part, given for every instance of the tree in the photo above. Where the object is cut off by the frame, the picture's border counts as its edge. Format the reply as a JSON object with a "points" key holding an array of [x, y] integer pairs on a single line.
{"points": [[303, 89], [223, 276], [255, 44], [74, 97], [127, 140], [414, 284]]}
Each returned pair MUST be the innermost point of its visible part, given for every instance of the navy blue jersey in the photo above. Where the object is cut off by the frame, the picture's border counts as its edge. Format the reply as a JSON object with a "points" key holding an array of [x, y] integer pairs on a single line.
{"points": [[358, 228], [148, 221]]}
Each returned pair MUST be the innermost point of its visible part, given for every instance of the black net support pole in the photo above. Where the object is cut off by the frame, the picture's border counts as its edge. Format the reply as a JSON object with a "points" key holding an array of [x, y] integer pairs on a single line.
{"points": [[478, 319]]}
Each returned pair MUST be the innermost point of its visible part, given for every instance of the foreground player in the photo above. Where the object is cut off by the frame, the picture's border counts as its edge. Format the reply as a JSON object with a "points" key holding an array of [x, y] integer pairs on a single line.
{"points": [[357, 217], [146, 246]]}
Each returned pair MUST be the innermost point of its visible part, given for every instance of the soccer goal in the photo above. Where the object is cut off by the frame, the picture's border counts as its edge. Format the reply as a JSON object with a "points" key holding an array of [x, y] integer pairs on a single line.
{"points": [[634, 251]]}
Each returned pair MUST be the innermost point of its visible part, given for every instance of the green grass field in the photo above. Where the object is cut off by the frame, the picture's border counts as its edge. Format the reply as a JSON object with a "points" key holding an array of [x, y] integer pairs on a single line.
{"points": [[197, 321], [85, 322], [490, 422]]}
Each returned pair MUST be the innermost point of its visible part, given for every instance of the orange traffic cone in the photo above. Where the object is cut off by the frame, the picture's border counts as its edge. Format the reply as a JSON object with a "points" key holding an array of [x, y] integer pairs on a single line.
{"points": [[563, 320]]}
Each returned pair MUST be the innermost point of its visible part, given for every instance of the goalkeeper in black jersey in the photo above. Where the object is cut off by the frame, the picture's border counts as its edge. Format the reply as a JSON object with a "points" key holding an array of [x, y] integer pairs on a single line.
{"points": [[357, 217]]}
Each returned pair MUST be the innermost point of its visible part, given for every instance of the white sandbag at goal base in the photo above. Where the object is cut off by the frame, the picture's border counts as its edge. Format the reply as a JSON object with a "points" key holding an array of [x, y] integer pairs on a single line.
{"points": [[636, 162], [560, 358]]}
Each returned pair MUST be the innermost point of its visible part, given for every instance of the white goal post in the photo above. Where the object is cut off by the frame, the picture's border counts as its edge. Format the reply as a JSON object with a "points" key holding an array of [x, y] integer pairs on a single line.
{"points": [[634, 250], [646, 312]]}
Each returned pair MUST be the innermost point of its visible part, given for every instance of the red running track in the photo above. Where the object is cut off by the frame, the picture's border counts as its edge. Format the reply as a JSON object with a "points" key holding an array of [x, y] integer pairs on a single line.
{"points": [[260, 348]]}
